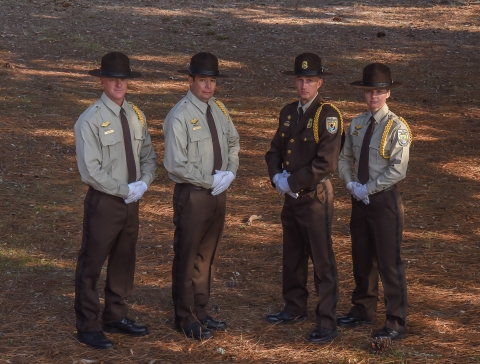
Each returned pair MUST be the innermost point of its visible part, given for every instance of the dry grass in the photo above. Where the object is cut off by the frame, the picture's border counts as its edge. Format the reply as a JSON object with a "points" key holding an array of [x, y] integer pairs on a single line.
{"points": [[49, 46]]}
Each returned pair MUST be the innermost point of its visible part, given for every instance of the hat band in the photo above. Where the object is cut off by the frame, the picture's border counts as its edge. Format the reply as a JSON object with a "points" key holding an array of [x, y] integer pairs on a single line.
{"points": [[309, 73], [198, 71], [377, 84], [114, 74]]}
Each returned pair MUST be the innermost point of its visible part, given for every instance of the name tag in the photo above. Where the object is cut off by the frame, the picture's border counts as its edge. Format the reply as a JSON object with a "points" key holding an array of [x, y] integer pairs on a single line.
{"points": [[109, 132], [197, 127]]}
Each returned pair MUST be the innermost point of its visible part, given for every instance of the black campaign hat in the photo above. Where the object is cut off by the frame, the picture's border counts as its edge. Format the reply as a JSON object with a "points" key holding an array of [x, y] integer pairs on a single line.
{"points": [[203, 64], [376, 76], [307, 64], [115, 65]]}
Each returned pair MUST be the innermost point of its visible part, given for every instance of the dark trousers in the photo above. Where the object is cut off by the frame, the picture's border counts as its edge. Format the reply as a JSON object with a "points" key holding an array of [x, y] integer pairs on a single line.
{"points": [[110, 229], [307, 223], [199, 218], [376, 231]]}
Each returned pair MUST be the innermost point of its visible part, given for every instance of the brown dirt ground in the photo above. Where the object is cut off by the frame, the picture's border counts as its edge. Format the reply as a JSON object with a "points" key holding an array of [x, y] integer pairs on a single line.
{"points": [[46, 48]]}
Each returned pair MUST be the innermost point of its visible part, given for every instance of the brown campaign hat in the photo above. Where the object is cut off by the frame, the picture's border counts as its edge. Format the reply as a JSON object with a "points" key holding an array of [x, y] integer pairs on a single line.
{"points": [[307, 64], [115, 65], [376, 76], [204, 64]]}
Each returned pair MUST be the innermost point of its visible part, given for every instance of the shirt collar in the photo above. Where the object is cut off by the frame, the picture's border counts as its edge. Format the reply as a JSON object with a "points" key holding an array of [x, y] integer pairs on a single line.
{"points": [[380, 114], [202, 106], [111, 105], [307, 105]]}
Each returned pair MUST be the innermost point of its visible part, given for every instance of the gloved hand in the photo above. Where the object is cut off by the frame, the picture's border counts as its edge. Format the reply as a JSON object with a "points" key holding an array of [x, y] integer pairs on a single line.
{"points": [[366, 201], [227, 178], [283, 186], [139, 188], [352, 185], [275, 180], [360, 192], [217, 177]]}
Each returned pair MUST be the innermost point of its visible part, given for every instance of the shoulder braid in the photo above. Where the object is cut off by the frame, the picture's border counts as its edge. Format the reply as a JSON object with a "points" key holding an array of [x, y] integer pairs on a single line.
{"points": [[317, 117], [224, 110], [386, 132], [139, 114]]}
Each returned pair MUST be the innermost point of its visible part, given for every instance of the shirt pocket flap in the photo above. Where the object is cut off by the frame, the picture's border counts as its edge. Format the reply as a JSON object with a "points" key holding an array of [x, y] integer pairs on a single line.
{"points": [[198, 134], [111, 138], [138, 135]]}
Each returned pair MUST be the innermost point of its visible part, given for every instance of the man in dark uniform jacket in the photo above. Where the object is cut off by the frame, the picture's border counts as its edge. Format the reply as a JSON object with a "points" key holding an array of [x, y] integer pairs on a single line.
{"points": [[302, 157]]}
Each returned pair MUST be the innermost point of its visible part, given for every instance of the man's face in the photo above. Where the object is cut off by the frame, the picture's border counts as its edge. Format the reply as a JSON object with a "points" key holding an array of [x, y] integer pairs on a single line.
{"points": [[115, 88], [375, 99], [203, 87], [307, 87]]}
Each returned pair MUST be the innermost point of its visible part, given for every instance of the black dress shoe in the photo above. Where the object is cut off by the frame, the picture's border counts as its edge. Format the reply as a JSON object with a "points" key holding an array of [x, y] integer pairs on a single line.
{"points": [[196, 331], [283, 317], [321, 335], [212, 324], [387, 333], [127, 327], [94, 339], [350, 321]]}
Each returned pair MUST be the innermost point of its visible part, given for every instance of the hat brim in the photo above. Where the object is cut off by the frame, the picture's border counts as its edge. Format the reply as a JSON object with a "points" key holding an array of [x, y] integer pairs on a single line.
{"points": [[293, 73], [359, 84], [99, 73], [187, 72]]}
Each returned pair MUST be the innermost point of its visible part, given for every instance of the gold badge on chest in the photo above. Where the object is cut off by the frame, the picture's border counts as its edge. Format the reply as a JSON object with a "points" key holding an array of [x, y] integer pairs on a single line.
{"points": [[310, 123], [105, 124]]}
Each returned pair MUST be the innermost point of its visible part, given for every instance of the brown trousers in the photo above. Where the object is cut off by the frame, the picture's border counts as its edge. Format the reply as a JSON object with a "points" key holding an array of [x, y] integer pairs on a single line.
{"points": [[376, 231], [110, 229], [307, 223], [199, 219]]}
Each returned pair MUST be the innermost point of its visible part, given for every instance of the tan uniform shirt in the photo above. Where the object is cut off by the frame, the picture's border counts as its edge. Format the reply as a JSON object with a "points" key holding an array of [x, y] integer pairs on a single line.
{"points": [[383, 172], [188, 143], [101, 151]]}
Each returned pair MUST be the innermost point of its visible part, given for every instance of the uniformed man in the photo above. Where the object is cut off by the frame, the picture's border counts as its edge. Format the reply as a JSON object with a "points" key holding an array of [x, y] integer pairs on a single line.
{"points": [[116, 159], [302, 157], [201, 157], [378, 144]]}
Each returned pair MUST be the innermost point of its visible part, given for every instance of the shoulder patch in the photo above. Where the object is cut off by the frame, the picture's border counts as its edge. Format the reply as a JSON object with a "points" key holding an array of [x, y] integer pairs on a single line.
{"points": [[332, 124], [403, 137]]}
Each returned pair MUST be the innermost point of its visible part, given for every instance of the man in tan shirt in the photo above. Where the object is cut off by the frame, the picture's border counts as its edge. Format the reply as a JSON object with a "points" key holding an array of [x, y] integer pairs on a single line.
{"points": [[116, 159], [377, 143], [201, 157]]}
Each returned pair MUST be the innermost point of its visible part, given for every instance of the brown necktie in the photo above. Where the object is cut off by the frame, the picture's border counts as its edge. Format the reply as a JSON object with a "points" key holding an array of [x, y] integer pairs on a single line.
{"points": [[363, 174], [132, 169], [217, 153]]}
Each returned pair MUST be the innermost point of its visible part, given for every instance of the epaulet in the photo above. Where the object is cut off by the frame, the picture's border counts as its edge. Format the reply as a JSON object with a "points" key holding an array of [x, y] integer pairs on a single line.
{"points": [[386, 132], [139, 114], [316, 134], [222, 107]]}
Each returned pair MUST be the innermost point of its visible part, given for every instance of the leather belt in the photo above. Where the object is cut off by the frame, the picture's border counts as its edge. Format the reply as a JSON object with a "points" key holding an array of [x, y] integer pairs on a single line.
{"points": [[313, 187], [191, 186], [385, 190]]}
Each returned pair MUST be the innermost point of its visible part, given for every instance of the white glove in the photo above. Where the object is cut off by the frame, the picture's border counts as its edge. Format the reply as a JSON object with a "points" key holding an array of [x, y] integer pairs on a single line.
{"points": [[352, 185], [360, 192], [217, 177], [283, 186], [140, 187], [227, 178], [276, 178], [366, 201]]}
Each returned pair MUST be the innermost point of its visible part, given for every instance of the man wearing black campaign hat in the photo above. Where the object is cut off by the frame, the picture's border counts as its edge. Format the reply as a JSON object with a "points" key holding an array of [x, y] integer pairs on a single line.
{"points": [[302, 157], [201, 157], [377, 143], [116, 159]]}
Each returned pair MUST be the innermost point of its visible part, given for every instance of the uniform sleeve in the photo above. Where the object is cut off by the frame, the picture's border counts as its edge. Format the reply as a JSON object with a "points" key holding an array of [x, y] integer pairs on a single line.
{"points": [[176, 157], [148, 158], [89, 157], [345, 159], [397, 170], [325, 161], [233, 148], [274, 155]]}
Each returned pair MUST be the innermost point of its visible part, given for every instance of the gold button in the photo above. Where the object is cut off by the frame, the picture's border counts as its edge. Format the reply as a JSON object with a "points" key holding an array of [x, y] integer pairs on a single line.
{"points": [[305, 139], [291, 140], [283, 134], [287, 163], [289, 151]]}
